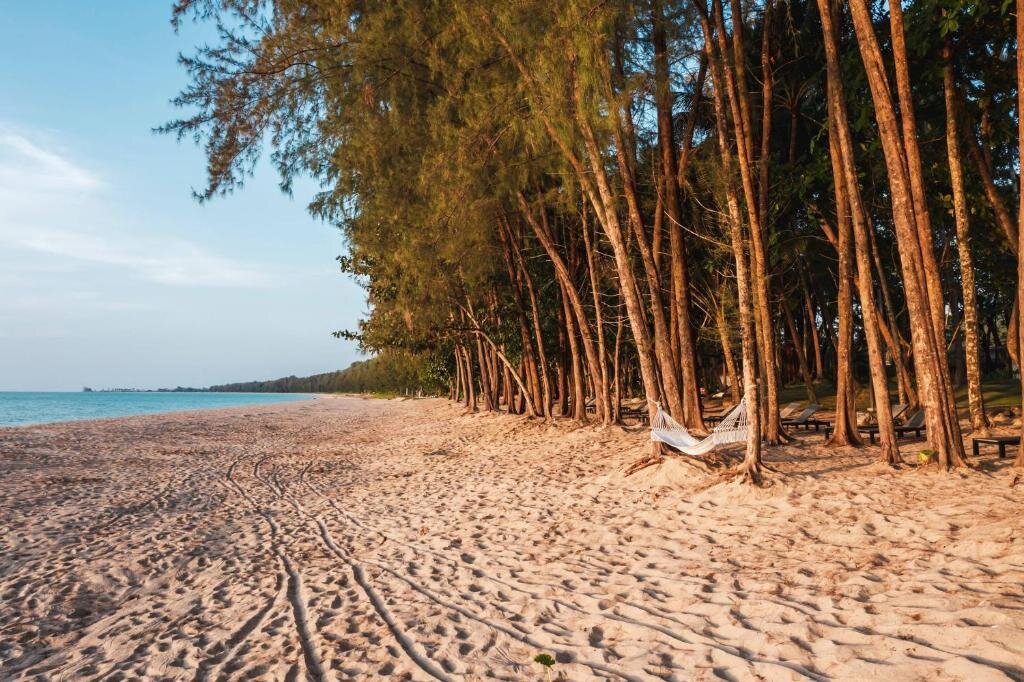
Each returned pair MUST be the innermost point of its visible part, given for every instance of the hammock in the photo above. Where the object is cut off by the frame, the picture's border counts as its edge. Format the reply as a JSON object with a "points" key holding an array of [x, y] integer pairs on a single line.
{"points": [[732, 429]]}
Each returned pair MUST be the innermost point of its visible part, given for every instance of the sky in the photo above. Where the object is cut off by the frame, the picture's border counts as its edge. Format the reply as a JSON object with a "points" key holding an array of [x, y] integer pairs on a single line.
{"points": [[111, 275]]}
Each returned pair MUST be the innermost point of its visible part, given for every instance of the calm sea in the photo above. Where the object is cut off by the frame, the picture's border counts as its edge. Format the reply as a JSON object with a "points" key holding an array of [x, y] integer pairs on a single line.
{"points": [[20, 408]]}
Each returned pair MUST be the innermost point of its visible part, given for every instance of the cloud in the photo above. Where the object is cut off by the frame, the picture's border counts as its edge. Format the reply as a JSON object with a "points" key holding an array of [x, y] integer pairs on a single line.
{"points": [[25, 165], [52, 205], [170, 262]]}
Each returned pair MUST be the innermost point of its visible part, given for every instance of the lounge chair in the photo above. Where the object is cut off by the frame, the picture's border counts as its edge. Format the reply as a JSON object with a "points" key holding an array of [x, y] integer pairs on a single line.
{"points": [[915, 424], [590, 406], [715, 418], [642, 413], [803, 420], [787, 411]]}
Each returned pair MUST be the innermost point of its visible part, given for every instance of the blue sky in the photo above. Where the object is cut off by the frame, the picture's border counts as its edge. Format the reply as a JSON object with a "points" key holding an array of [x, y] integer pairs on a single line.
{"points": [[110, 273]]}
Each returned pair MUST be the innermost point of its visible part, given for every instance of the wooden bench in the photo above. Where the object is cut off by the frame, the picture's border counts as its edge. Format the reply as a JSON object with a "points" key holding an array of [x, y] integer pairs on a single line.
{"points": [[1001, 441]]}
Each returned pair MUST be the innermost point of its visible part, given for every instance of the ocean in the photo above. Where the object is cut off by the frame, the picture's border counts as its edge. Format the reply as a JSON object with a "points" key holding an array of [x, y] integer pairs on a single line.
{"points": [[19, 408]]}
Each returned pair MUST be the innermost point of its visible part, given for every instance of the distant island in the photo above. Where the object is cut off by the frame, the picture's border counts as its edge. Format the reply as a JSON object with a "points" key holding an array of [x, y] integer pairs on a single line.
{"points": [[179, 389], [391, 372]]}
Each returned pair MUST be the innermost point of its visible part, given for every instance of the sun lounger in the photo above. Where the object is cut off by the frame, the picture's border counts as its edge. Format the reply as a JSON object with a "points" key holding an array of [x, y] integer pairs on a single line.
{"points": [[715, 418], [641, 413], [787, 411], [803, 420], [913, 425]]}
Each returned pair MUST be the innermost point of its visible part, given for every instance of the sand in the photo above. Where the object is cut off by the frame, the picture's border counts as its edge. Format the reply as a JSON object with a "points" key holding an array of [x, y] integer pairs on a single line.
{"points": [[344, 538]]}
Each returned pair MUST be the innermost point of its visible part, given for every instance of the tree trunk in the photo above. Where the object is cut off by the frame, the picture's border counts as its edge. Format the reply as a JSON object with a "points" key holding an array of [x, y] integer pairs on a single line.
{"points": [[542, 360], [801, 354], [727, 353], [607, 414], [602, 199], [916, 255], [735, 87], [1019, 462], [889, 450], [891, 330], [682, 327], [579, 393], [819, 368], [751, 467], [979, 422], [529, 359], [844, 430], [541, 229]]}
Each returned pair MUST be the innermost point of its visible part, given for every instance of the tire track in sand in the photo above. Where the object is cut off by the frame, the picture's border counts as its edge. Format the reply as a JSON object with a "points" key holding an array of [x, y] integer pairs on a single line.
{"points": [[402, 638], [296, 595]]}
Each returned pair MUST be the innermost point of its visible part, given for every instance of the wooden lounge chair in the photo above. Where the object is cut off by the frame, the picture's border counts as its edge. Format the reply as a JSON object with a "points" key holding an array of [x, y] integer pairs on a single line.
{"points": [[715, 418], [803, 420], [913, 425], [872, 429], [787, 411], [1001, 441], [642, 413], [590, 406]]}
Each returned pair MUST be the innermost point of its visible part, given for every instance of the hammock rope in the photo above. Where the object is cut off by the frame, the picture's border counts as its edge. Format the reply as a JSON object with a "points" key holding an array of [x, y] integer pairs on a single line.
{"points": [[732, 429]]}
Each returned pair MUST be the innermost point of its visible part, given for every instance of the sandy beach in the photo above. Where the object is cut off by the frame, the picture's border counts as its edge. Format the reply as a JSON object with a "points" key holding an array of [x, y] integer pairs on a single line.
{"points": [[343, 538]]}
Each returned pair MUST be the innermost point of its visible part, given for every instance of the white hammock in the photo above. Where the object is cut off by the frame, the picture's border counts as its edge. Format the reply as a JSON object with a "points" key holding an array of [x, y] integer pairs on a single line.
{"points": [[732, 429]]}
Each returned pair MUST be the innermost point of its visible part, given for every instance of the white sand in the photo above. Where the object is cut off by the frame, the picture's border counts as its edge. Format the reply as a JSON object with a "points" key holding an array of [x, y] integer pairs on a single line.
{"points": [[352, 539]]}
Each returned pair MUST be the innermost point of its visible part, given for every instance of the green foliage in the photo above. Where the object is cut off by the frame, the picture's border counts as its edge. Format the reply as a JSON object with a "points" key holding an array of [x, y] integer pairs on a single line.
{"points": [[544, 659], [390, 373]]}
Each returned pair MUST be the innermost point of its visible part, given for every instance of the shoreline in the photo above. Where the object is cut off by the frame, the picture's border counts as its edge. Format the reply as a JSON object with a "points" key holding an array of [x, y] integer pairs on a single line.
{"points": [[306, 398], [354, 538]]}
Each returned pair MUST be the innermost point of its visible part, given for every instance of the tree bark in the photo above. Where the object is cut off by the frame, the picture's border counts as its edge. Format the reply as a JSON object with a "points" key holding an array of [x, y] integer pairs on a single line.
{"points": [[1019, 462], [579, 394], [607, 415], [844, 431], [727, 353], [682, 326], [889, 450], [732, 69], [575, 301], [751, 467], [916, 255], [975, 399]]}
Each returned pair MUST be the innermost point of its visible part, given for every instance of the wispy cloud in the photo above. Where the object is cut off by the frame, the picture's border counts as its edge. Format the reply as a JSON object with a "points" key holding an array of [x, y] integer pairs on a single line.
{"points": [[171, 262], [52, 204], [27, 165]]}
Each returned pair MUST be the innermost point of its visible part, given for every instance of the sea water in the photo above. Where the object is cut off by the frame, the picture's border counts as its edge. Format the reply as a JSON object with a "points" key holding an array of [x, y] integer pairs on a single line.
{"points": [[19, 408]]}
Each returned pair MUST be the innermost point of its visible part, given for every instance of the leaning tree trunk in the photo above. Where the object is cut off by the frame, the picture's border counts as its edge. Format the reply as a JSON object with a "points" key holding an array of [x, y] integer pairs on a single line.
{"points": [[979, 422], [890, 452], [751, 467], [603, 201], [542, 360], [915, 254], [682, 326], [574, 301], [607, 415], [733, 82]]}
